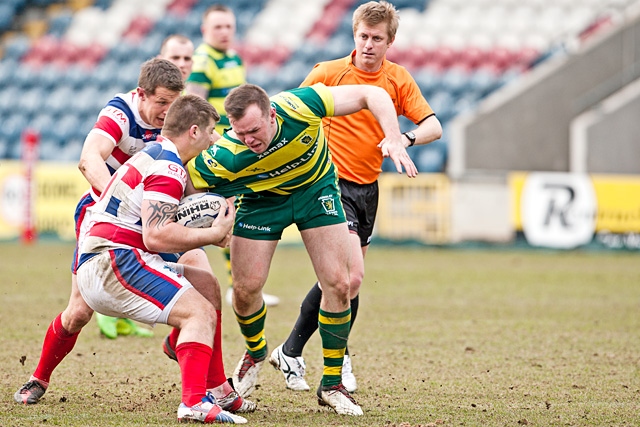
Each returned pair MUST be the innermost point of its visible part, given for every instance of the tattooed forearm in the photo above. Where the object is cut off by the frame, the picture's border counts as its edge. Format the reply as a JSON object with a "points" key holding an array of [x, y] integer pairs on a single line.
{"points": [[160, 213]]}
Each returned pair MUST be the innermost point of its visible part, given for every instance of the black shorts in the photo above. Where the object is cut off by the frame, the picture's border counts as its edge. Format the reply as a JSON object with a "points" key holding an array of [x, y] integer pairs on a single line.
{"points": [[360, 202]]}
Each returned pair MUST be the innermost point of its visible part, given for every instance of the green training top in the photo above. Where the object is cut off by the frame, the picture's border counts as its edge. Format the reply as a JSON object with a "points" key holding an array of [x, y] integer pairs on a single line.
{"points": [[218, 72]]}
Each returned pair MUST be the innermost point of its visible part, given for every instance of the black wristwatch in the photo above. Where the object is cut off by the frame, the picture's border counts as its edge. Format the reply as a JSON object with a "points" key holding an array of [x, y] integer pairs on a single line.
{"points": [[411, 137]]}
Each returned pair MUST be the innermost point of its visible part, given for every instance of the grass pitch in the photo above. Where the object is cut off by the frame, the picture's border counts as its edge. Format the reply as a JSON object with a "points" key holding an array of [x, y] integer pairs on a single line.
{"points": [[443, 337]]}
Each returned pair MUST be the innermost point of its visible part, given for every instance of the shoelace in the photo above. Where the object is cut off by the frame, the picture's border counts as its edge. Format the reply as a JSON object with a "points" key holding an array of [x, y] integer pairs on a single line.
{"points": [[340, 388], [32, 384], [247, 363], [301, 366]]}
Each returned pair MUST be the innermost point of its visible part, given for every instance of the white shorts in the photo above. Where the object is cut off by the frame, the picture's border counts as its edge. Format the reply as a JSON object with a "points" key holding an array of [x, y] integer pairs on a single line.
{"points": [[131, 283]]}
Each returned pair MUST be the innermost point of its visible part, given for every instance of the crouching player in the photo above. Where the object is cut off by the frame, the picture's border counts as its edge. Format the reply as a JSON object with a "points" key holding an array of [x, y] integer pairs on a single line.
{"points": [[120, 272]]}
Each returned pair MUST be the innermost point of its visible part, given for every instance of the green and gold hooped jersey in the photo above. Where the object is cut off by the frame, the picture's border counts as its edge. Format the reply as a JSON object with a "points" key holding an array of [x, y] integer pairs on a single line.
{"points": [[297, 157], [218, 72]]}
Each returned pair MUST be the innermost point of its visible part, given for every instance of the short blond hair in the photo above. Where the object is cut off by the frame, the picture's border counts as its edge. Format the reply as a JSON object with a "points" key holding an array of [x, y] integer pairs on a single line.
{"points": [[373, 13]]}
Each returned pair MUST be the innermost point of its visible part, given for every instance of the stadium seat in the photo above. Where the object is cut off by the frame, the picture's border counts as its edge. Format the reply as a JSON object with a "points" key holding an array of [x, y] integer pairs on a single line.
{"points": [[12, 126], [48, 149], [442, 103], [70, 152], [43, 122], [429, 81], [57, 100], [483, 81], [65, 129], [431, 158], [30, 101], [59, 22], [455, 80], [26, 76], [4, 147], [7, 12], [15, 47], [7, 68]]}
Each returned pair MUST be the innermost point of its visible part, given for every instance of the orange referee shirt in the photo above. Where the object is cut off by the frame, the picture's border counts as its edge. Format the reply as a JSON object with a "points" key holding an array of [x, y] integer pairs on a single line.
{"points": [[353, 139]]}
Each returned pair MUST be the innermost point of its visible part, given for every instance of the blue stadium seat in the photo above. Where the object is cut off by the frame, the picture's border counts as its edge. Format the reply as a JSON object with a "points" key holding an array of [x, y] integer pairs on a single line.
{"points": [[57, 101], [50, 77], [12, 127], [16, 47], [25, 77], [59, 23], [18, 5], [7, 12], [4, 147], [49, 148], [166, 25], [483, 81], [87, 101], [405, 124], [43, 123], [431, 158], [455, 81], [429, 81], [259, 75], [14, 150], [127, 77], [466, 103], [105, 73], [149, 47], [8, 100], [102, 4], [7, 68], [85, 126], [70, 152], [43, 3], [76, 76], [339, 45], [30, 101], [292, 73], [65, 129], [124, 52], [442, 103]]}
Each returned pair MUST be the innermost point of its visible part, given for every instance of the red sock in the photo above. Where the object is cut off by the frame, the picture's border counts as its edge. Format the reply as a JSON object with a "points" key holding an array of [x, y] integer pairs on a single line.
{"points": [[193, 358], [173, 337], [57, 344], [216, 375]]}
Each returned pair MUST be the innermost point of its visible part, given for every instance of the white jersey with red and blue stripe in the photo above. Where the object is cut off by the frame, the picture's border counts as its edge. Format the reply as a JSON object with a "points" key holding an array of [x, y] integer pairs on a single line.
{"points": [[115, 221], [120, 121]]}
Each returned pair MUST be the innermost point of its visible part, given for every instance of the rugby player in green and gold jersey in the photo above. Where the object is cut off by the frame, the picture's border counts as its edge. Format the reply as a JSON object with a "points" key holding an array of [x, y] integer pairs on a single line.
{"points": [[276, 160]]}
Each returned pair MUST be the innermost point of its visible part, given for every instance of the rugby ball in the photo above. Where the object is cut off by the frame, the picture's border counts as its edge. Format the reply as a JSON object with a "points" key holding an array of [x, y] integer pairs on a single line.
{"points": [[200, 209]]}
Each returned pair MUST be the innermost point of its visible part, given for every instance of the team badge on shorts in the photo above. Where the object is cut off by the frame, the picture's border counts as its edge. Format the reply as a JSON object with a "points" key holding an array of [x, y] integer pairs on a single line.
{"points": [[329, 205]]}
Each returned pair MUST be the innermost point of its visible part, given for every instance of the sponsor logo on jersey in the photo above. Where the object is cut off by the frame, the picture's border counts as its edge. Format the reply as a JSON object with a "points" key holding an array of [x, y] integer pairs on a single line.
{"points": [[291, 166], [149, 135]]}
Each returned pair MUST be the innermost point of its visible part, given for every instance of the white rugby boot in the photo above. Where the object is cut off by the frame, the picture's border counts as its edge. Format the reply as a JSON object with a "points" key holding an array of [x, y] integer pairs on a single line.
{"points": [[293, 369]]}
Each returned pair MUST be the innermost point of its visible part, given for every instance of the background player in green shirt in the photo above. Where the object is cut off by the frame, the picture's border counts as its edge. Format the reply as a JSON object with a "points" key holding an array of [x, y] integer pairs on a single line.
{"points": [[216, 70]]}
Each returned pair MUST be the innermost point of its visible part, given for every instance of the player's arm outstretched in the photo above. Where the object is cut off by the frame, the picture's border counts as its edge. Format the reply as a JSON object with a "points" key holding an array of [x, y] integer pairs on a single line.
{"points": [[349, 99]]}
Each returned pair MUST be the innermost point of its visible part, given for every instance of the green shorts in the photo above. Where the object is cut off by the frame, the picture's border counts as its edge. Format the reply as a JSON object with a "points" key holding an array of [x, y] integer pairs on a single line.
{"points": [[264, 217]]}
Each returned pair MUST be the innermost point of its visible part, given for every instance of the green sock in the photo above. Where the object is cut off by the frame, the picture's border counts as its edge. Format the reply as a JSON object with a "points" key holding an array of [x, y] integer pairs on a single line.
{"points": [[334, 332], [252, 329]]}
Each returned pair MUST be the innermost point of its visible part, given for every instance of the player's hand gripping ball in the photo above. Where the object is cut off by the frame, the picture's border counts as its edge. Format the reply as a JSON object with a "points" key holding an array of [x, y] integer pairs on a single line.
{"points": [[200, 209]]}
